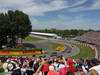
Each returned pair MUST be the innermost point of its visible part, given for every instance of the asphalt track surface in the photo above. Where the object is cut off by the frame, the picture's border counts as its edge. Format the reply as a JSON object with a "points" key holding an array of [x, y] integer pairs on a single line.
{"points": [[44, 44]]}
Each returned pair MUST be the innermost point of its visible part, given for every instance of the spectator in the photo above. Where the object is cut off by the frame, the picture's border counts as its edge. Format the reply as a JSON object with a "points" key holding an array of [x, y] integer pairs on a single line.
{"points": [[96, 69], [93, 72], [45, 68], [52, 71]]}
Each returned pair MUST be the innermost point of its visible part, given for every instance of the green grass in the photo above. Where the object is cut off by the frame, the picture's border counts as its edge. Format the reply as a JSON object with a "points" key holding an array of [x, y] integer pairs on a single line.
{"points": [[2, 73], [32, 39], [85, 52], [55, 45]]}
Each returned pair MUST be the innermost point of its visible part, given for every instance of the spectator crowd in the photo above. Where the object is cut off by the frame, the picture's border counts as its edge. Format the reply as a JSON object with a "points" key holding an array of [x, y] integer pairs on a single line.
{"points": [[50, 66], [90, 37]]}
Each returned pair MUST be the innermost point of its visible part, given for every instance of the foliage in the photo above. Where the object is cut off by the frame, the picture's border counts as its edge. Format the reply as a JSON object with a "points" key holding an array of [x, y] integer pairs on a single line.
{"points": [[13, 25], [18, 47], [63, 33], [1, 70]]}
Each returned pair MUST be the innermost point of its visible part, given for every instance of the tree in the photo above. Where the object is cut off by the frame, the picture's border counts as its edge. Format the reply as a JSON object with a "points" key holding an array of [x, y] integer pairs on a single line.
{"points": [[13, 25]]}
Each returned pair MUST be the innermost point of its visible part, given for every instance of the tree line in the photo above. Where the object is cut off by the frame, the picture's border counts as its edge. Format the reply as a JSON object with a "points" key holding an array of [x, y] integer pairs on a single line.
{"points": [[13, 25], [63, 33]]}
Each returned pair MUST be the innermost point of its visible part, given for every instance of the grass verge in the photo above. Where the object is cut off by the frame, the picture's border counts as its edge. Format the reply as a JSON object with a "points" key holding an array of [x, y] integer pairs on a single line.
{"points": [[85, 52], [57, 46], [32, 39]]}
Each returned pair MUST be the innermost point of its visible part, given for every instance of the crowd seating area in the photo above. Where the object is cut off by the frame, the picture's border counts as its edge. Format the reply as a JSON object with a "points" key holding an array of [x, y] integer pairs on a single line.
{"points": [[50, 66], [90, 37]]}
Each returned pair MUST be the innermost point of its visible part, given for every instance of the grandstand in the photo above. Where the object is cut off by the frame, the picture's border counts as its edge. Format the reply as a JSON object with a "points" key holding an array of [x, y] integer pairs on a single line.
{"points": [[90, 37]]}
